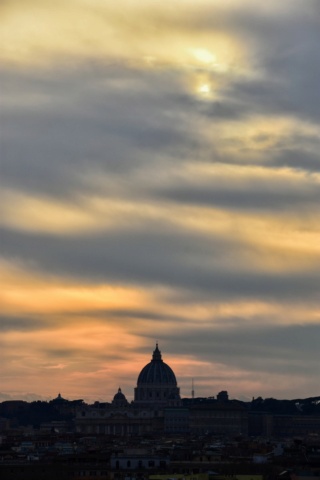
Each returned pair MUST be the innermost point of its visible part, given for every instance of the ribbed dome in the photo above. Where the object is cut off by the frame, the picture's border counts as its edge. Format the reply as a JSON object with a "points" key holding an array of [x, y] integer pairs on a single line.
{"points": [[157, 372]]}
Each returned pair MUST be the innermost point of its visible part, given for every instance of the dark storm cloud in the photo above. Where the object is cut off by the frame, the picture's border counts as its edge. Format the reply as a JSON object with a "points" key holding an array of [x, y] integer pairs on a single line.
{"points": [[160, 256]]}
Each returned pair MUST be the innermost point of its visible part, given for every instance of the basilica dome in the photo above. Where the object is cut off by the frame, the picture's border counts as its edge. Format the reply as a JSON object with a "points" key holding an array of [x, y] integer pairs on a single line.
{"points": [[119, 400], [157, 383], [157, 372]]}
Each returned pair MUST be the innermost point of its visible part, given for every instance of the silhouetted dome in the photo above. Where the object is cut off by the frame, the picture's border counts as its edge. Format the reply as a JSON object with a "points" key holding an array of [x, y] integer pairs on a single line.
{"points": [[119, 399], [157, 372], [157, 384], [59, 399], [119, 395]]}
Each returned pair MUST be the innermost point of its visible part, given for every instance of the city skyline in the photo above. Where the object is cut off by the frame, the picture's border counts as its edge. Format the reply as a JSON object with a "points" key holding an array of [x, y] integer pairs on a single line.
{"points": [[160, 181]]}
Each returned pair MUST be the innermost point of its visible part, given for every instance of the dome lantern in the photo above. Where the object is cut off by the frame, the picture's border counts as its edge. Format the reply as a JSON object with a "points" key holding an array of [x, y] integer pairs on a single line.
{"points": [[157, 354]]}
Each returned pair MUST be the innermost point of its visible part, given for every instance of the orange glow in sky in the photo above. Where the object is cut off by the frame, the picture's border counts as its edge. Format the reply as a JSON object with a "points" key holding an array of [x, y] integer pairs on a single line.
{"points": [[160, 181]]}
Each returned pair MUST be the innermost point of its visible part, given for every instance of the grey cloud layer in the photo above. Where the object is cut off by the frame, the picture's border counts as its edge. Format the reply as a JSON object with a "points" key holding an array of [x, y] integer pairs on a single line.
{"points": [[278, 349], [116, 119], [256, 196], [63, 128], [172, 258], [83, 128]]}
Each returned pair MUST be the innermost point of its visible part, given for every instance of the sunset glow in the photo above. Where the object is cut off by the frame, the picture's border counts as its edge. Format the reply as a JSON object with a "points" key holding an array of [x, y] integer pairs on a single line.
{"points": [[160, 181]]}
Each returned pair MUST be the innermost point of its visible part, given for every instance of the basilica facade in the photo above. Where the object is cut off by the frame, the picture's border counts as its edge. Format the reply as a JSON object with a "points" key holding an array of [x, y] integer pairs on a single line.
{"points": [[158, 408]]}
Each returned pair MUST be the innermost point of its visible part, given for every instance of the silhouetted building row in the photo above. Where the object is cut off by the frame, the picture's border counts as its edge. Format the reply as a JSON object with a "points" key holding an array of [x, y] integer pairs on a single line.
{"points": [[158, 408]]}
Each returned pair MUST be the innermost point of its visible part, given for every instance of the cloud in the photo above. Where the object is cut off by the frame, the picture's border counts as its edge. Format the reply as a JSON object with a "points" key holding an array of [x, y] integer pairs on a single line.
{"points": [[19, 324], [159, 257], [159, 178], [41, 34], [256, 192], [87, 128]]}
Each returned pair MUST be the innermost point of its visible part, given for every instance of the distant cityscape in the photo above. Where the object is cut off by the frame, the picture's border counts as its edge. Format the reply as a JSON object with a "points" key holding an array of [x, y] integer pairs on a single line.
{"points": [[160, 435]]}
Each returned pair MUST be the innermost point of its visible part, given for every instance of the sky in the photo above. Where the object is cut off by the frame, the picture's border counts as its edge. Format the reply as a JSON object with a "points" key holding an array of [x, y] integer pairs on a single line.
{"points": [[160, 181]]}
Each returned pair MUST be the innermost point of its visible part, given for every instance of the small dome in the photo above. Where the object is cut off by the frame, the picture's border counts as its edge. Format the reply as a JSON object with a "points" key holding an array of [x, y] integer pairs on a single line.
{"points": [[59, 399], [119, 399], [157, 372], [119, 395]]}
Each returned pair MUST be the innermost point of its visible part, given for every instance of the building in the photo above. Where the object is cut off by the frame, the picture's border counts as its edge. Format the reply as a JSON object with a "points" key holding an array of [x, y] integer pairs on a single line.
{"points": [[157, 408], [218, 418], [137, 459], [157, 384]]}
